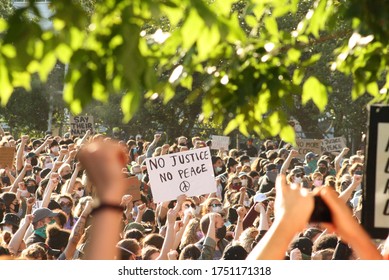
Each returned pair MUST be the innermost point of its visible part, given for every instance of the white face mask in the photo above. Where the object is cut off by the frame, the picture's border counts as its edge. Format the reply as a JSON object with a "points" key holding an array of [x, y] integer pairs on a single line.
{"points": [[7, 228], [218, 169], [247, 203], [247, 163], [317, 183], [298, 180], [25, 193], [80, 193], [55, 149], [49, 165], [139, 176], [217, 209], [244, 182], [197, 210]]}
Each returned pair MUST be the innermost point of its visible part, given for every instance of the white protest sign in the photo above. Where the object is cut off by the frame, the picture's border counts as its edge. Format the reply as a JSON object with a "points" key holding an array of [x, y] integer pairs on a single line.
{"points": [[220, 142], [189, 173], [80, 124], [333, 144], [305, 146], [381, 217]]}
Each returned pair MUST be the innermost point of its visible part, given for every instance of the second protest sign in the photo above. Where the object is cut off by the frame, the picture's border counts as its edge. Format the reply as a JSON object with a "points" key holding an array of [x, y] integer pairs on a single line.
{"points": [[189, 173]]}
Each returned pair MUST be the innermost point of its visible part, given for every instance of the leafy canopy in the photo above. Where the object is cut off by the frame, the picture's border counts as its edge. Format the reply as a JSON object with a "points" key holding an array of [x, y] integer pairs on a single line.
{"points": [[147, 48]]}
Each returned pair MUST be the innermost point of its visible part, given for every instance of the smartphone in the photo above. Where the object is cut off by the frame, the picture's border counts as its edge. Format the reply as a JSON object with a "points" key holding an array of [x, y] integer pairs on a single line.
{"points": [[321, 212]]}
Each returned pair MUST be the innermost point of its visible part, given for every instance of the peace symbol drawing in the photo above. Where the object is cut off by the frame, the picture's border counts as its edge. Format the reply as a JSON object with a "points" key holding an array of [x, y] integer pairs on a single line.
{"points": [[184, 186]]}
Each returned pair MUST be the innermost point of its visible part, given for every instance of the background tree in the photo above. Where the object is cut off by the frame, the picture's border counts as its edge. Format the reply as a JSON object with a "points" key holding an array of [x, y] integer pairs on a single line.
{"points": [[251, 67]]}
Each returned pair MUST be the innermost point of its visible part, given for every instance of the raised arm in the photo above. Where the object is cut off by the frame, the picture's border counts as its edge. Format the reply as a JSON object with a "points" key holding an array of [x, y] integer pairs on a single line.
{"points": [[47, 142], [20, 154], [239, 224], [293, 207], [339, 157], [17, 238], [286, 164], [346, 194], [77, 232], [51, 185], [169, 238], [70, 186], [153, 145], [180, 232], [20, 177]]}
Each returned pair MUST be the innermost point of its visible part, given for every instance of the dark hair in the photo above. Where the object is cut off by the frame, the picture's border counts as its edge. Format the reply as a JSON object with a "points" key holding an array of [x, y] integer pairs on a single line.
{"points": [[190, 252], [135, 234], [148, 251], [325, 241], [129, 244], [154, 239], [57, 238]]}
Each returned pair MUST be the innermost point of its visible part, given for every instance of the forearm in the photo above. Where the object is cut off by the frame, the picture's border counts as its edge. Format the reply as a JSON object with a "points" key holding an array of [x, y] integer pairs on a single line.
{"points": [[151, 149], [75, 236], [274, 244], [17, 180], [105, 235], [286, 164], [263, 221], [168, 242], [19, 156], [17, 239], [238, 229], [70, 186], [346, 194]]}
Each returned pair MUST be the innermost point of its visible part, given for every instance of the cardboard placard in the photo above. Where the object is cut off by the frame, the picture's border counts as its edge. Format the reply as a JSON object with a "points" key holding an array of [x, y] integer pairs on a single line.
{"points": [[133, 188], [80, 124], [305, 146], [335, 144], [189, 173], [220, 142], [7, 156], [375, 210]]}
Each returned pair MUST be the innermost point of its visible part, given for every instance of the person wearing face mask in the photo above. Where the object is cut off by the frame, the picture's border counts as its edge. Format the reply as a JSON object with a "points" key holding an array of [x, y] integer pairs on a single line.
{"points": [[10, 223], [66, 203], [42, 218], [12, 204], [267, 182], [217, 164], [310, 162], [247, 183], [295, 176], [317, 180], [220, 233], [54, 149], [322, 167]]}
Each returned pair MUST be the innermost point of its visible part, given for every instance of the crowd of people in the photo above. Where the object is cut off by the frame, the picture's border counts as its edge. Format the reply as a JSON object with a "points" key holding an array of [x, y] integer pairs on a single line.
{"points": [[66, 198]]}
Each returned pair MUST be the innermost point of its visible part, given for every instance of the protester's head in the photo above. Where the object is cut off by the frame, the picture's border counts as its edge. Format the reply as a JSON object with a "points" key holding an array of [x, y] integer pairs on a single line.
{"points": [[65, 172], [57, 238], [234, 183], [134, 234], [310, 157], [154, 239], [356, 169], [325, 254], [43, 217], [325, 241], [317, 179], [234, 251], [129, 249], [212, 204], [10, 223], [304, 244], [219, 224], [150, 253], [295, 176], [67, 204], [34, 252], [192, 233], [11, 203], [190, 252]]}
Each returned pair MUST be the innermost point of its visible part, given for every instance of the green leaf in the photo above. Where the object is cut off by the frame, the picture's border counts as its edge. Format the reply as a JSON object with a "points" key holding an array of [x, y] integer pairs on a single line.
{"points": [[5, 85], [232, 125], [372, 88], [287, 134], [64, 53], [3, 25], [47, 65], [9, 51], [314, 90], [207, 41], [191, 29], [271, 26], [168, 94], [130, 104], [294, 55]]}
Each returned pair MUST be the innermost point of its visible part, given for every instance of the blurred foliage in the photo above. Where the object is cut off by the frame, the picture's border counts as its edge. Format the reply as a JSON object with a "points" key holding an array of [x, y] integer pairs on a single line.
{"points": [[253, 60]]}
